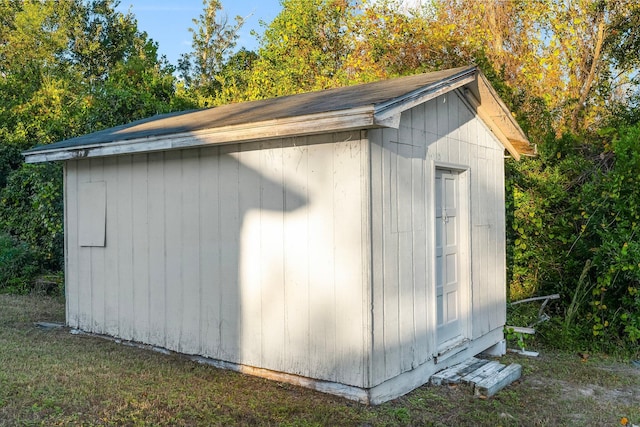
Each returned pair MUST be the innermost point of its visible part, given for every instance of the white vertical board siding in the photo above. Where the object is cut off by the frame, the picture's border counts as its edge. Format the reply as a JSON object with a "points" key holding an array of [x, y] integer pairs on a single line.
{"points": [[250, 190], [157, 242], [230, 225], [272, 290], [210, 252], [489, 232], [126, 290], [106, 294], [140, 247], [399, 252], [71, 256], [350, 275], [321, 268], [419, 216], [191, 288], [93, 308], [172, 264], [296, 272], [443, 131], [254, 254]]}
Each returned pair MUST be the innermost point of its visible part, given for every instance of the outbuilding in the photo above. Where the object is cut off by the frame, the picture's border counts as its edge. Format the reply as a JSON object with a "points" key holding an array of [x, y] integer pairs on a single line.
{"points": [[351, 240]]}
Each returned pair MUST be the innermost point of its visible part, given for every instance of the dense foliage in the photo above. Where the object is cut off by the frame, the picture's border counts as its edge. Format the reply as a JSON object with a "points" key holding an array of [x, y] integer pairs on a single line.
{"points": [[568, 70], [31, 211], [66, 69], [19, 265]]}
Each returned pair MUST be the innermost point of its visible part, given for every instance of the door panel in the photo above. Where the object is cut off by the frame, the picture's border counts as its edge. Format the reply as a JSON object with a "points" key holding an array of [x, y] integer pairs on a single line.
{"points": [[447, 256]]}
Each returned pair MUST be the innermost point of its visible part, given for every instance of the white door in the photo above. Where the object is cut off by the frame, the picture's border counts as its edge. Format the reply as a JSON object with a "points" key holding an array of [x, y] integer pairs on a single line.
{"points": [[448, 215]]}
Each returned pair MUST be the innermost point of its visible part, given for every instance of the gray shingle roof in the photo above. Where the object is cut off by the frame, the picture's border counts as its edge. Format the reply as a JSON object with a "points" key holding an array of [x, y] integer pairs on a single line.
{"points": [[362, 106], [343, 98]]}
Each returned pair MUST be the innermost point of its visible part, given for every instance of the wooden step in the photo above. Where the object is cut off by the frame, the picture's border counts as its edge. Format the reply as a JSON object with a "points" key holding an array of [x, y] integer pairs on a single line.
{"points": [[487, 371], [486, 377], [454, 374], [494, 383]]}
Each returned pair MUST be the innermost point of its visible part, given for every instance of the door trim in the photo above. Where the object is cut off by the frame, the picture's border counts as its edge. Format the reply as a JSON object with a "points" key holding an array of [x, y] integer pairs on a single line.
{"points": [[465, 285]]}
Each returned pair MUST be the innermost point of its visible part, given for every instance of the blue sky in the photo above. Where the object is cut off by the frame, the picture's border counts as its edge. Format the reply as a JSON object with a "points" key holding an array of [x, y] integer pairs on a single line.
{"points": [[167, 21]]}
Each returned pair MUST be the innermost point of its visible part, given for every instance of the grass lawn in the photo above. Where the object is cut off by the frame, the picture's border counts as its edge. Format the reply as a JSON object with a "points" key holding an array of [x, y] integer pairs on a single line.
{"points": [[51, 377]]}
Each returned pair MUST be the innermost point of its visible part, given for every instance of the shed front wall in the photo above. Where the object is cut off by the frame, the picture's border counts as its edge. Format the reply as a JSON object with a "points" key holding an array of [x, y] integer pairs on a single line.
{"points": [[254, 254], [443, 132]]}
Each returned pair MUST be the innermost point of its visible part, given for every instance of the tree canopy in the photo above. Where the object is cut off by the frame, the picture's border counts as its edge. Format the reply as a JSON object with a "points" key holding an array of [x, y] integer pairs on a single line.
{"points": [[66, 69]]}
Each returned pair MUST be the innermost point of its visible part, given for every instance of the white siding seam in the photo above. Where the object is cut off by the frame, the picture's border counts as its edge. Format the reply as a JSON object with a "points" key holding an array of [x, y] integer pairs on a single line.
{"points": [[134, 286], [164, 248], [367, 258], [333, 248], [218, 350]]}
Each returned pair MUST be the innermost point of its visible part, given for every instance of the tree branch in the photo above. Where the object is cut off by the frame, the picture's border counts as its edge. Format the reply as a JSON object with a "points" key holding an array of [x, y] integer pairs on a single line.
{"points": [[586, 88]]}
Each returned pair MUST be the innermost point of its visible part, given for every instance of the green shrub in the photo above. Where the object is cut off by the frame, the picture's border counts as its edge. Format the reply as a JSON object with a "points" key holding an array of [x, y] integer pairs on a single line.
{"points": [[612, 234], [541, 229], [18, 266], [574, 229], [31, 210]]}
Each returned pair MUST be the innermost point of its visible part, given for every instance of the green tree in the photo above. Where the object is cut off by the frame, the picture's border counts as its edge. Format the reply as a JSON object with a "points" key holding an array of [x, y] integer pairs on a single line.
{"points": [[101, 37], [138, 86], [569, 54], [31, 209], [610, 237], [391, 40], [235, 76], [38, 101], [214, 39], [303, 49], [68, 68]]}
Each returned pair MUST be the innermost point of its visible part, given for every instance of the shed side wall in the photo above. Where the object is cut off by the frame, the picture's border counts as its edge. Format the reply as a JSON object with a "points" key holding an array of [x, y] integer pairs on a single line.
{"points": [[443, 131], [254, 254]]}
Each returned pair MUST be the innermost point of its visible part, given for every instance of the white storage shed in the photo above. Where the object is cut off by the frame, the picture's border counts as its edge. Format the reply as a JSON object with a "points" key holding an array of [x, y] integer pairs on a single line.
{"points": [[350, 240]]}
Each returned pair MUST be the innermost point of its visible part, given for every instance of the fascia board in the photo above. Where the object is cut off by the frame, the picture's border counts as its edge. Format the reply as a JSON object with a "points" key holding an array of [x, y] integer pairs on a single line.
{"points": [[388, 113], [334, 121], [491, 124]]}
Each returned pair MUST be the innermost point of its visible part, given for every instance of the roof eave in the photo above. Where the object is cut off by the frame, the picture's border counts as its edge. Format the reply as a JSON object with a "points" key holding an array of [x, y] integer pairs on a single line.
{"points": [[495, 114], [470, 81], [388, 113], [341, 120], [483, 99]]}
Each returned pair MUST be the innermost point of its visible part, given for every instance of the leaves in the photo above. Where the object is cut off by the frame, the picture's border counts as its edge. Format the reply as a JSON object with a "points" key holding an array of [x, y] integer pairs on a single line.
{"points": [[68, 68], [554, 50], [213, 41], [303, 49], [31, 210], [74, 67]]}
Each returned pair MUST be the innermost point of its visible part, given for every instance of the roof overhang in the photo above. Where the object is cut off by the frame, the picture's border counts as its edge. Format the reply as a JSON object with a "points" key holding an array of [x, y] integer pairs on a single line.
{"points": [[470, 81], [495, 114], [356, 118], [481, 97], [388, 113]]}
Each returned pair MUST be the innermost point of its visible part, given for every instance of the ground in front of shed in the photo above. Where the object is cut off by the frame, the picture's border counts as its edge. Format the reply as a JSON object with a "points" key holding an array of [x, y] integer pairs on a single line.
{"points": [[51, 377]]}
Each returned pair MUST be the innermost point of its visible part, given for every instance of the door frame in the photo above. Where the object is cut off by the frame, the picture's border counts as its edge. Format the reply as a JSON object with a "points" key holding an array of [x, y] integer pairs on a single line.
{"points": [[465, 285]]}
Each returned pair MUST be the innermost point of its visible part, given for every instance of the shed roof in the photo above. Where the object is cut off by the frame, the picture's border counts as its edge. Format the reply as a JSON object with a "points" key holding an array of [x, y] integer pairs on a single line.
{"points": [[362, 106]]}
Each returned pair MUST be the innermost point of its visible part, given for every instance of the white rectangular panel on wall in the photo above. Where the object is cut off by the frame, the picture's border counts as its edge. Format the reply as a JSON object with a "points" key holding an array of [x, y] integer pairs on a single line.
{"points": [[92, 208]]}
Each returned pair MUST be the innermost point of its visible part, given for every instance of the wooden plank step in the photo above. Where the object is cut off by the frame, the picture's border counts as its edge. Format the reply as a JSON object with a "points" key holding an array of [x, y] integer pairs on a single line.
{"points": [[465, 371], [483, 372], [457, 378], [473, 367], [451, 375], [486, 377], [491, 385]]}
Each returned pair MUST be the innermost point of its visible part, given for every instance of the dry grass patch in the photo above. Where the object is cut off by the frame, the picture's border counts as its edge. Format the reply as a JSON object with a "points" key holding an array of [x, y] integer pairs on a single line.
{"points": [[50, 377]]}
